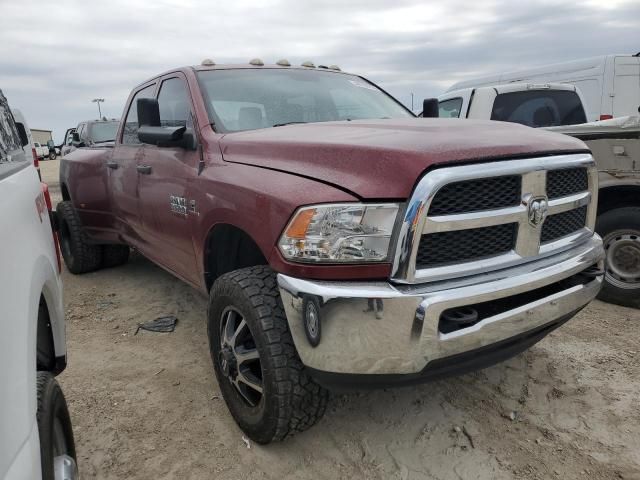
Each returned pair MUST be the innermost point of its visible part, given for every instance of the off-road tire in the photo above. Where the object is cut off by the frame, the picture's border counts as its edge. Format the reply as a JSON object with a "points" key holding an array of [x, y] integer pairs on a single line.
{"points": [[291, 401], [52, 414], [114, 255], [625, 220], [79, 255]]}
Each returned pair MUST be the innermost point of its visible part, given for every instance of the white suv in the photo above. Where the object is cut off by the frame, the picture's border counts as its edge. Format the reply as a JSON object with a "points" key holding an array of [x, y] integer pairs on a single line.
{"points": [[36, 439]]}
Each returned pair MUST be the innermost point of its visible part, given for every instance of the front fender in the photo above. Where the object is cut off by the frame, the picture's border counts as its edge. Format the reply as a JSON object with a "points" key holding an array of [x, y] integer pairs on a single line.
{"points": [[256, 200]]}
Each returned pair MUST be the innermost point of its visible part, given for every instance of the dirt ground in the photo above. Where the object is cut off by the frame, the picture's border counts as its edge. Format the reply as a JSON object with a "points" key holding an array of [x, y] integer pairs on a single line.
{"points": [[148, 406]]}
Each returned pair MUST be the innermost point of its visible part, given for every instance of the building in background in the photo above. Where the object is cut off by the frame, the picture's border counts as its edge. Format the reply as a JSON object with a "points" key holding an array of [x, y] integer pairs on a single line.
{"points": [[41, 136]]}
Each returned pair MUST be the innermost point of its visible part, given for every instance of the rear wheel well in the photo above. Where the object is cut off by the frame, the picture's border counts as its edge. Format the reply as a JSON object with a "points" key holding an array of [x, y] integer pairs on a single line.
{"points": [[618, 196], [45, 351], [65, 193], [229, 248]]}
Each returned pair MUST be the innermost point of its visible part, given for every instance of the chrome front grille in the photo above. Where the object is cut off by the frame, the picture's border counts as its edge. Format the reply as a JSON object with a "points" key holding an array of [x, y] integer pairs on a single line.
{"points": [[476, 195], [563, 224], [443, 248], [566, 181], [476, 218]]}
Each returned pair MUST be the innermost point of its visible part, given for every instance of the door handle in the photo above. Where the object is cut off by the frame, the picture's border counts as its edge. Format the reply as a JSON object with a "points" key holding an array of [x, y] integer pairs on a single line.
{"points": [[144, 169], [112, 165]]}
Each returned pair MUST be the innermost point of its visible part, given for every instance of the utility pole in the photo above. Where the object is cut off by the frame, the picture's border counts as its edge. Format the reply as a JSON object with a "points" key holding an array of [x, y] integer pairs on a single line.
{"points": [[98, 101], [412, 101]]}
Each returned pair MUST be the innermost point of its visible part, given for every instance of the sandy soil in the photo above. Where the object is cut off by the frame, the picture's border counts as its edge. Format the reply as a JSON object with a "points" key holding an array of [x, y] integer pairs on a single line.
{"points": [[148, 406]]}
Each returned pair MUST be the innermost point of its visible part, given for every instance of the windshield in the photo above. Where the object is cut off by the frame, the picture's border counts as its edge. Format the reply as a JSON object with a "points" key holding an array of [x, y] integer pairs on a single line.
{"points": [[251, 99], [103, 132]]}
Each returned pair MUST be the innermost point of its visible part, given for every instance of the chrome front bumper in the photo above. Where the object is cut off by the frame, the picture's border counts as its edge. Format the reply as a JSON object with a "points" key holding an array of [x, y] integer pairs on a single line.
{"points": [[380, 328]]}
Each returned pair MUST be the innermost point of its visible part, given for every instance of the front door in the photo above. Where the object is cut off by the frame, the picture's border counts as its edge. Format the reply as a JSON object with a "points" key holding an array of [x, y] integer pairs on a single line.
{"points": [[123, 174], [165, 206]]}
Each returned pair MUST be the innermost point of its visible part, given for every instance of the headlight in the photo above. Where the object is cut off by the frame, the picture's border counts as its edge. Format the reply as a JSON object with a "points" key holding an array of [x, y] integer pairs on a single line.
{"points": [[346, 233]]}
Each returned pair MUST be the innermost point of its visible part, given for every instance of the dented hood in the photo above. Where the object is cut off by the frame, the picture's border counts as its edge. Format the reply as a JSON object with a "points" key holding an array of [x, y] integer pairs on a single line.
{"points": [[384, 158]]}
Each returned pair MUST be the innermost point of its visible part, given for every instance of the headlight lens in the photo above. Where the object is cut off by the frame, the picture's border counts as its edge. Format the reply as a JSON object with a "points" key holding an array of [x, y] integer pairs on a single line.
{"points": [[348, 233]]}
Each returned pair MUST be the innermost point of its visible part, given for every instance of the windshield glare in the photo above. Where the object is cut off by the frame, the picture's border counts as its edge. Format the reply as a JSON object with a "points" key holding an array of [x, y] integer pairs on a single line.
{"points": [[103, 132], [251, 99]]}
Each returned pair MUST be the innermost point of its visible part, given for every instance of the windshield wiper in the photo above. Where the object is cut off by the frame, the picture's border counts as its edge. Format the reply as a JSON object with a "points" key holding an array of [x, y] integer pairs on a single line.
{"points": [[286, 123]]}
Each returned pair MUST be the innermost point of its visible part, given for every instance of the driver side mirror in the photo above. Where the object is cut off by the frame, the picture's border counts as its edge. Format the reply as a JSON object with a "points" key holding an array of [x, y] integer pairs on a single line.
{"points": [[22, 133], [150, 131], [430, 108], [76, 142]]}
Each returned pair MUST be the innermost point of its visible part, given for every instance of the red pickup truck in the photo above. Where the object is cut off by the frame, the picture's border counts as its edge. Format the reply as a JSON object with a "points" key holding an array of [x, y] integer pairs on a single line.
{"points": [[342, 241]]}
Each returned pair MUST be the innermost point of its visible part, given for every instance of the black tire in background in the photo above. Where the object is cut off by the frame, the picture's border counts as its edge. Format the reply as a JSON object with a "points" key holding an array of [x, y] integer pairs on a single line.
{"points": [[620, 232], [114, 255], [52, 156], [79, 255], [54, 427], [289, 400]]}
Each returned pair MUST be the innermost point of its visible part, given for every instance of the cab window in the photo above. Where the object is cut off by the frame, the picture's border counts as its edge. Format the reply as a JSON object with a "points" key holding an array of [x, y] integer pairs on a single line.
{"points": [[130, 133], [450, 108], [174, 104]]}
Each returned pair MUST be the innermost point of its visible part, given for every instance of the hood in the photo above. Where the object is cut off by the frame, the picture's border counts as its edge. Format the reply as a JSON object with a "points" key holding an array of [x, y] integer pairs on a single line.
{"points": [[384, 158]]}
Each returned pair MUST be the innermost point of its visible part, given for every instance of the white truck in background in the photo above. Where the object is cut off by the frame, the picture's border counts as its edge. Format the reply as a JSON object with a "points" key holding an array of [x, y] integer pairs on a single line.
{"points": [[610, 83], [533, 105], [42, 151], [615, 145]]}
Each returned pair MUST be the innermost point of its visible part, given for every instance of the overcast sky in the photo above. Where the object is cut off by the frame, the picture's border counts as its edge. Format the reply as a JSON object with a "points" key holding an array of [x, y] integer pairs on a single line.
{"points": [[55, 56]]}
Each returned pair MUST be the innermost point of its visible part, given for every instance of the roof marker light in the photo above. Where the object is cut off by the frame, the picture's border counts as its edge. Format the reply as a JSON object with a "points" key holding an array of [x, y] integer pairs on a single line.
{"points": [[207, 62], [283, 63], [308, 64], [335, 67], [257, 62]]}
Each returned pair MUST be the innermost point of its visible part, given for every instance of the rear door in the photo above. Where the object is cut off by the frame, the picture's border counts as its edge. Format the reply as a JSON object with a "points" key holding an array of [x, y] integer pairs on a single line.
{"points": [[626, 84], [123, 174], [165, 206]]}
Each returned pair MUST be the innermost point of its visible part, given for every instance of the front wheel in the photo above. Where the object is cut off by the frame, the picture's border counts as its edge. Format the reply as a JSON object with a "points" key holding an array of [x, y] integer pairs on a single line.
{"points": [[620, 231], [52, 156], [261, 377], [57, 447]]}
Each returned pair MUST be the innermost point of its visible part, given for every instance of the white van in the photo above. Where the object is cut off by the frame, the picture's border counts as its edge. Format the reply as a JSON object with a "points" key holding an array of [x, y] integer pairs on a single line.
{"points": [[609, 84]]}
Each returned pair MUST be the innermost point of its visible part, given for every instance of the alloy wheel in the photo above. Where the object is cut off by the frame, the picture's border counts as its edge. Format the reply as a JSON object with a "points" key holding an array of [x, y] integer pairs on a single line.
{"points": [[239, 359]]}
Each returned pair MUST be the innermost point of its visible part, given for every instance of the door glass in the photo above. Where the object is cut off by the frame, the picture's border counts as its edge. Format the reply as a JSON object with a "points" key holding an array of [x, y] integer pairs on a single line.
{"points": [[175, 109], [450, 108], [130, 134]]}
